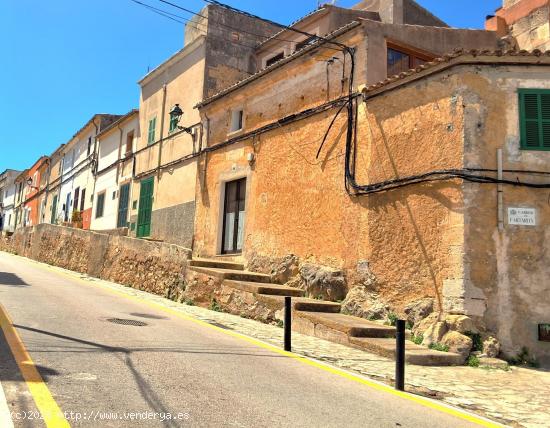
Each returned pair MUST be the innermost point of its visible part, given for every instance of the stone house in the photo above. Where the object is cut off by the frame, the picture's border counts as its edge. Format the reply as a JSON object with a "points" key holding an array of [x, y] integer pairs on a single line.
{"points": [[53, 183], [113, 179], [76, 188], [18, 206], [307, 78], [34, 193], [525, 22], [218, 50], [7, 200], [403, 199]]}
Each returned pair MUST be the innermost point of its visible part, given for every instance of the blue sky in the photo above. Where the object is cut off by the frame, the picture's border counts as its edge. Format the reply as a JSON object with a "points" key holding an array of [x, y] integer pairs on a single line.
{"points": [[65, 60]]}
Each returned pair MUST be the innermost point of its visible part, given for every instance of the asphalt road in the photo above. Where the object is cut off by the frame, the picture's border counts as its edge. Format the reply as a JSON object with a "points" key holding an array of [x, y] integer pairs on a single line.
{"points": [[95, 368]]}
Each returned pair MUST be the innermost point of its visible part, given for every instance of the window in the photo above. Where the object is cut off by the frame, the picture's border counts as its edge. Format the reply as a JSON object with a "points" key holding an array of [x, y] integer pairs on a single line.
{"points": [[89, 146], [274, 59], [306, 42], [82, 200], [129, 143], [100, 205], [76, 196], [151, 135], [174, 123], [534, 112], [400, 61], [237, 120]]}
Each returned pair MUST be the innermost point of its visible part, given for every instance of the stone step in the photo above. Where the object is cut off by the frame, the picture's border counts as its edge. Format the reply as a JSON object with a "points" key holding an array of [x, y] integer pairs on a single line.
{"points": [[414, 354], [231, 274], [217, 264], [349, 325], [237, 258], [262, 288], [298, 303], [312, 305]]}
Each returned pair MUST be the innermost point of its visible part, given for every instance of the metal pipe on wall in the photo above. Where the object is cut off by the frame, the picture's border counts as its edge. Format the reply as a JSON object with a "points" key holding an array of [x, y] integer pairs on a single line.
{"points": [[500, 191], [162, 112]]}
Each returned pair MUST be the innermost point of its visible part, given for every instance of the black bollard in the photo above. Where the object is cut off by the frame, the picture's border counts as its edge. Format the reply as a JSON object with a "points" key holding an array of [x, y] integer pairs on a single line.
{"points": [[400, 356], [288, 324]]}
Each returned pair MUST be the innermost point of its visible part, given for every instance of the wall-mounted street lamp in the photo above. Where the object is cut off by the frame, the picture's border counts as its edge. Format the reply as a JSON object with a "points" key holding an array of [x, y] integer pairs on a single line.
{"points": [[29, 183], [175, 116]]}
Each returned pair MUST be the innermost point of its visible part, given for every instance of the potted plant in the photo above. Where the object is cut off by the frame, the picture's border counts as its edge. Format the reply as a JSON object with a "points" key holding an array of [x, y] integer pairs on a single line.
{"points": [[76, 219]]}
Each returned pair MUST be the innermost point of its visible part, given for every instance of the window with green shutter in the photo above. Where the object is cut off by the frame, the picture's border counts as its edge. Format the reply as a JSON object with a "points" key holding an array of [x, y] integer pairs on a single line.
{"points": [[534, 111], [151, 134], [100, 205]]}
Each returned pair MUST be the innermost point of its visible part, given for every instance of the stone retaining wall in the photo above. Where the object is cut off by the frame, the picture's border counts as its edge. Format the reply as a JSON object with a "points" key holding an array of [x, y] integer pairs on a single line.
{"points": [[154, 267]]}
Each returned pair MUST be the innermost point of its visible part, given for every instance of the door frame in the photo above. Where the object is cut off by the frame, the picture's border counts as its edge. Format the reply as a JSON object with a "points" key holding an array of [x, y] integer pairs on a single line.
{"points": [[222, 181], [236, 220]]}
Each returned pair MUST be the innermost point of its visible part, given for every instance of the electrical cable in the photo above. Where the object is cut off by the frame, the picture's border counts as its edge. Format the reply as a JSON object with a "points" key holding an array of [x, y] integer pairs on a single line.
{"points": [[448, 174], [160, 12]]}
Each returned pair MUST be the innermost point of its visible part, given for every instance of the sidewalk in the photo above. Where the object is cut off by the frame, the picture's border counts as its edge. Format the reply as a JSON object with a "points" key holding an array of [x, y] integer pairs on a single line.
{"points": [[517, 397]]}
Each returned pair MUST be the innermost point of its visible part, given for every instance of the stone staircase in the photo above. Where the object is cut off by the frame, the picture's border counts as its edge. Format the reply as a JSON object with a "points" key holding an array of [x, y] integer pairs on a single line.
{"points": [[318, 318]]}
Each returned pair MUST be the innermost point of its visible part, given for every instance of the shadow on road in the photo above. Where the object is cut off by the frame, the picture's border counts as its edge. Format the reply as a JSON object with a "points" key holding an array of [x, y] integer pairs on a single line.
{"points": [[12, 280], [8, 366], [145, 389]]}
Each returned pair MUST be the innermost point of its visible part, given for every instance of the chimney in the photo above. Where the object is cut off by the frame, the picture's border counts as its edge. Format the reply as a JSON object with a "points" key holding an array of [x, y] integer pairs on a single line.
{"points": [[526, 21]]}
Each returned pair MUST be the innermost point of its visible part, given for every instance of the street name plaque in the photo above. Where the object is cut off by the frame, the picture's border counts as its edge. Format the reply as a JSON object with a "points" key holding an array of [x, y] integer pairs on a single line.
{"points": [[522, 216]]}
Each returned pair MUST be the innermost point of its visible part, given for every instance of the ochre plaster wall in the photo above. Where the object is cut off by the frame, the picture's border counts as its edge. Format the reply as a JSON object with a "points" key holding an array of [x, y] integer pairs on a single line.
{"points": [[412, 238]]}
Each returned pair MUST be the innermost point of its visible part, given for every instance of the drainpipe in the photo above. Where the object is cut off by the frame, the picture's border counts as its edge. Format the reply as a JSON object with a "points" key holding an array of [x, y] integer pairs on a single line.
{"points": [[119, 154], [93, 166], [207, 144], [162, 112], [47, 188], [500, 191]]}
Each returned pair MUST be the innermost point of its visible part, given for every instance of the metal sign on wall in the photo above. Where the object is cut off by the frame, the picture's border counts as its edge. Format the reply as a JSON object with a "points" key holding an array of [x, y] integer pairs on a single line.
{"points": [[522, 216]]}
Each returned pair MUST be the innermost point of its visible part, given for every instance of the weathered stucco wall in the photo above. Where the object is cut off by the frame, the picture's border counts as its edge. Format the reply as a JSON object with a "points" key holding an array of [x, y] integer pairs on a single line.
{"points": [[297, 204], [506, 271]]}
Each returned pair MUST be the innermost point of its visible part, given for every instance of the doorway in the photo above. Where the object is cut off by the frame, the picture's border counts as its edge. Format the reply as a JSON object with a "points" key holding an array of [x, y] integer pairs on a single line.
{"points": [[123, 202], [234, 216], [145, 208]]}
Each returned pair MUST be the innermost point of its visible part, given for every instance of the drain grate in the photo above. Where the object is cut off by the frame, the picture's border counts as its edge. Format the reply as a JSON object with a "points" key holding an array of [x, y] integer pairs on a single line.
{"points": [[122, 321]]}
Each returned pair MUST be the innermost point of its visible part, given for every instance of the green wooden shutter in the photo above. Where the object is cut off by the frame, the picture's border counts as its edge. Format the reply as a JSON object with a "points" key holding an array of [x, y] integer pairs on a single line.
{"points": [[545, 119], [123, 202], [151, 135], [145, 207], [535, 119], [100, 205]]}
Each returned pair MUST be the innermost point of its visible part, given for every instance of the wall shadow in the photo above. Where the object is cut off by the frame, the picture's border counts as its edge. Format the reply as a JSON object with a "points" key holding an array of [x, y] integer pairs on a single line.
{"points": [[12, 280]]}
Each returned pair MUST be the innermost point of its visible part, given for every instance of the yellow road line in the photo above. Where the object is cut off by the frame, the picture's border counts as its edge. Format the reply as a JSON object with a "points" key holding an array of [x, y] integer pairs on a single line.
{"points": [[50, 411], [426, 402]]}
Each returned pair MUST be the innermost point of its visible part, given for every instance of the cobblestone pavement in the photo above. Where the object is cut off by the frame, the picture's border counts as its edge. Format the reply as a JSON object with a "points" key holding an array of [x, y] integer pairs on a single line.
{"points": [[517, 397]]}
